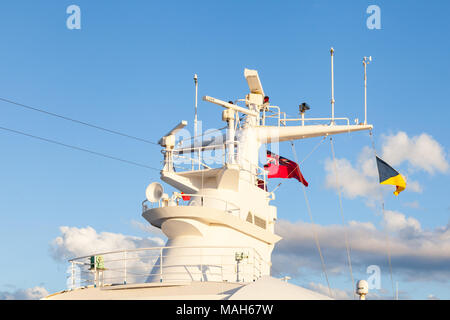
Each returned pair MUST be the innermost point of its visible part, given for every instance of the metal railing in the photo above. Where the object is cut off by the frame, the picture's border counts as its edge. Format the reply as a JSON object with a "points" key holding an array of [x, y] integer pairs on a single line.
{"points": [[199, 159], [302, 120], [274, 112], [166, 264], [199, 200]]}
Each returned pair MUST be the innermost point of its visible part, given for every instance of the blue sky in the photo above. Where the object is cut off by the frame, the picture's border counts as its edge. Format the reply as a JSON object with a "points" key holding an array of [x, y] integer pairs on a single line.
{"points": [[130, 68]]}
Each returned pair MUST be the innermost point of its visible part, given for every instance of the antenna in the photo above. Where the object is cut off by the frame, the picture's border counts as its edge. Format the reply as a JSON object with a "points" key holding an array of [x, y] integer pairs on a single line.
{"points": [[177, 128], [366, 61], [332, 85], [230, 106], [168, 142], [195, 119], [254, 83], [171, 135], [195, 104]]}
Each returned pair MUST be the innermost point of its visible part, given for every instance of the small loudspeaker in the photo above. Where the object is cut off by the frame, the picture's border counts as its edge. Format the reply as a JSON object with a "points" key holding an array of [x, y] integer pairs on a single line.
{"points": [[154, 192]]}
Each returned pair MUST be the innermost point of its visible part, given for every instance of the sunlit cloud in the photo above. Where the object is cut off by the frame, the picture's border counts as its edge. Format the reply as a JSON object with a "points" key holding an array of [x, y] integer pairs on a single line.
{"points": [[34, 293], [421, 152], [74, 242], [361, 179], [416, 253]]}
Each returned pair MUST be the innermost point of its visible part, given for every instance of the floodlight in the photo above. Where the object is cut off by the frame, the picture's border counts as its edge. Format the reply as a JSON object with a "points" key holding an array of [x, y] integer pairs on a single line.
{"points": [[303, 107]]}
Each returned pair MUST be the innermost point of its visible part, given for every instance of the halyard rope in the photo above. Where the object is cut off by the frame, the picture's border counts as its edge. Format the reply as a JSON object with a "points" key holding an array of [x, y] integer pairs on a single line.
{"points": [[384, 217], [316, 238], [347, 246]]}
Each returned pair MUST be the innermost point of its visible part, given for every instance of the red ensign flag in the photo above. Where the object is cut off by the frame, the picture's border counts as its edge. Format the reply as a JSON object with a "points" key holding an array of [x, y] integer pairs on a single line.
{"points": [[280, 167]]}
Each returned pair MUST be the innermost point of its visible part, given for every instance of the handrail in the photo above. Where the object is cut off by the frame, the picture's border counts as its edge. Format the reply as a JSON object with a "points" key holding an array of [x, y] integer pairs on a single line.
{"points": [[313, 119], [192, 159], [226, 202], [179, 158], [237, 264], [159, 248]]}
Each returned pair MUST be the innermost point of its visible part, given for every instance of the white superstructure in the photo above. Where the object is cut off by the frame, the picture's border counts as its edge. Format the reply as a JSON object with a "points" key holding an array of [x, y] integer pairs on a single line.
{"points": [[223, 235], [226, 205]]}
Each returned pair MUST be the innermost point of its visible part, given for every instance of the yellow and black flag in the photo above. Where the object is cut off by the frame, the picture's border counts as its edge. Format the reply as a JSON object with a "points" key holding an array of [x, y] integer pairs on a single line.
{"points": [[389, 175]]}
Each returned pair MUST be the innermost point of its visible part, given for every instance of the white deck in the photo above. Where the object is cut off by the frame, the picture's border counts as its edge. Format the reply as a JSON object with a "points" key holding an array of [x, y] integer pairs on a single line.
{"points": [[266, 288]]}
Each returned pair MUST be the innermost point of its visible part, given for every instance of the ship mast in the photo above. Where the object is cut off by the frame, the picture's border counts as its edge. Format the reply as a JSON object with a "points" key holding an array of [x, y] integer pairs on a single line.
{"points": [[227, 204]]}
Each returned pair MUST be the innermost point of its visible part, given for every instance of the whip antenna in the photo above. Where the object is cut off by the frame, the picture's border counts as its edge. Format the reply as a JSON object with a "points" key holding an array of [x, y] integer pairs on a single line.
{"points": [[195, 104], [332, 85], [366, 61]]}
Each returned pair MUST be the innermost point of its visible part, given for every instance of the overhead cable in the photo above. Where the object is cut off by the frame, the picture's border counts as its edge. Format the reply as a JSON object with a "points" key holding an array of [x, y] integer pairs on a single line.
{"points": [[76, 121], [79, 148]]}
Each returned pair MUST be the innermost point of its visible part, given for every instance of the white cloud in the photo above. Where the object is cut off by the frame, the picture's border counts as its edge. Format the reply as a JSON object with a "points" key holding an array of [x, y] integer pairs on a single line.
{"points": [[416, 253], [352, 181], [79, 242], [397, 222], [421, 152], [361, 179], [24, 294], [75, 242], [363, 225], [413, 186]]}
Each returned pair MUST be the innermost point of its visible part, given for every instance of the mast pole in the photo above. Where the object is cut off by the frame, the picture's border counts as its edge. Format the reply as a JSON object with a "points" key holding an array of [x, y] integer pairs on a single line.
{"points": [[332, 85], [366, 61], [365, 92], [195, 104], [195, 120]]}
